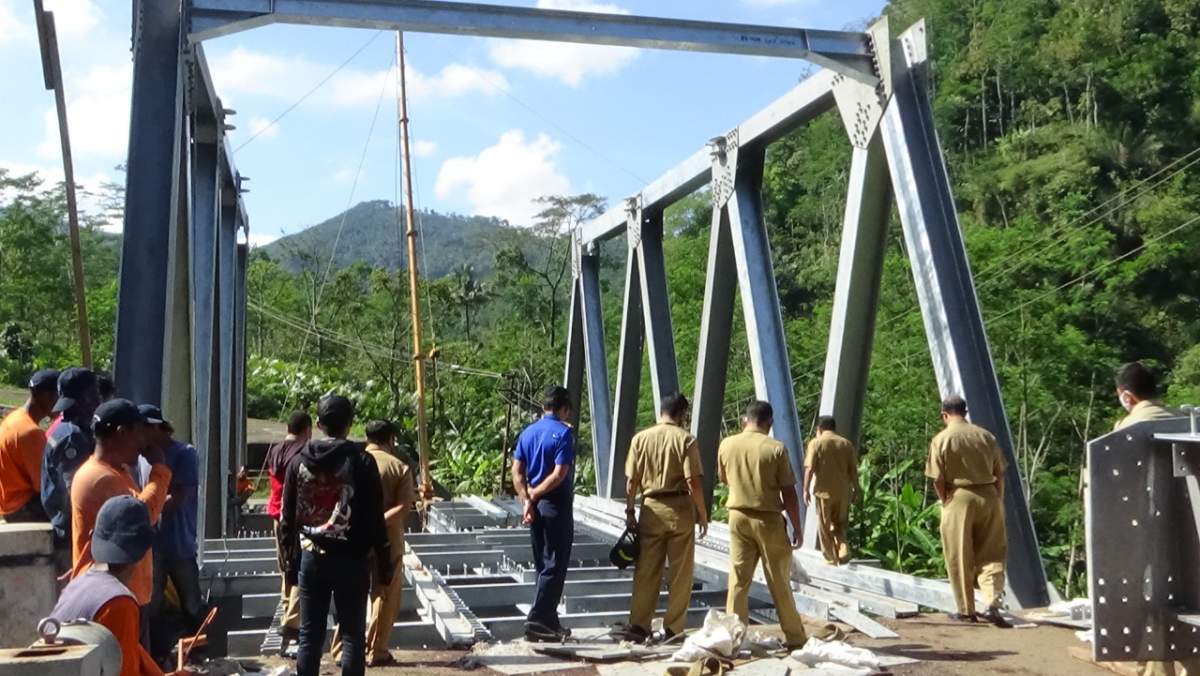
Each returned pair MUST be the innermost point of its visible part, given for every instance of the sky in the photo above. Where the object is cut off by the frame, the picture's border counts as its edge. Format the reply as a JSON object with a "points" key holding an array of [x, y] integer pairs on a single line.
{"points": [[494, 123]]}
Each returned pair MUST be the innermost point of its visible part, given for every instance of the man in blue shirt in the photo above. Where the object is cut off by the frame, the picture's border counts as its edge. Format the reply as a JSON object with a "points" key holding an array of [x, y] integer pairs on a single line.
{"points": [[543, 476], [175, 542], [68, 443]]}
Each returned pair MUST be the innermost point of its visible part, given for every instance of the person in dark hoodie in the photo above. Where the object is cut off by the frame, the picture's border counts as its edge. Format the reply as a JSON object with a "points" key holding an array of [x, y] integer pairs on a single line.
{"points": [[331, 519]]}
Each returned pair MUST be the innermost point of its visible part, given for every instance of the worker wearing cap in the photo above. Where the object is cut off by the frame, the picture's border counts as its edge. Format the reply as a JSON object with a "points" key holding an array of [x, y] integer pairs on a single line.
{"points": [[120, 541], [175, 544], [399, 495], [22, 443], [1137, 390], [664, 466], [967, 468], [831, 475], [69, 443], [120, 430], [761, 486]]}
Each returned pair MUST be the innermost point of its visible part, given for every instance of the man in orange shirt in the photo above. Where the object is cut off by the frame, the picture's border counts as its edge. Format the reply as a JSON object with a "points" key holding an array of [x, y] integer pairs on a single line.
{"points": [[119, 429], [121, 539], [21, 444]]}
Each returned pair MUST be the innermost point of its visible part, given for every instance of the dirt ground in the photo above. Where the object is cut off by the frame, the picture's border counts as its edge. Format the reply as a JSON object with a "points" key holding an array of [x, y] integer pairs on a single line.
{"points": [[940, 646]]}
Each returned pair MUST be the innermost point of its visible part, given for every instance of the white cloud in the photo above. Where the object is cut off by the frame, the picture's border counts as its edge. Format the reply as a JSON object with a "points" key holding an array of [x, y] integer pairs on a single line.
{"points": [[424, 148], [257, 239], [287, 77], [52, 174], [346, 175], [567, 62], [97, 114], [261, 127], [504, 179], [74, 18], [12, 29]]}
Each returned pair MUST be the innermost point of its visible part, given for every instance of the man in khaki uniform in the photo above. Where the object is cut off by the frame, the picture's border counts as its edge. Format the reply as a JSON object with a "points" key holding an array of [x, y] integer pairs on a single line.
{"points": [[761, 486], [1137, 390], [399, 495], [831, 474], [664, 465], [967, 468]]}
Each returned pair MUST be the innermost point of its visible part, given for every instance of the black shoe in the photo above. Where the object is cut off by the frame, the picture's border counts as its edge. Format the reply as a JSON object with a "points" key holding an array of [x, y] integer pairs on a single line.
{"points": [[994, 616], [958, 617], [629, 632], [665, 637], [536, 632]]}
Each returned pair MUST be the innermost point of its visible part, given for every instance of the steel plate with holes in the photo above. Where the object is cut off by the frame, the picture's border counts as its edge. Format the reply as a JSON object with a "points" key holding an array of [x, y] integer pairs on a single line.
{"points": [[1142, 546]]}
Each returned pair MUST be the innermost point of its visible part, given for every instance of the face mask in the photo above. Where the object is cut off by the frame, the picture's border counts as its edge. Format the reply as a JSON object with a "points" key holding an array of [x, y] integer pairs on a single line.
{"points": [[1126, 400]]}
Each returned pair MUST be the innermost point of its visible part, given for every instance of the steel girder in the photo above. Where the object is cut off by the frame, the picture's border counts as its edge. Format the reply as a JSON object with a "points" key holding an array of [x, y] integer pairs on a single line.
{"points": [[841, 51], [896, 151], [181, 305]]}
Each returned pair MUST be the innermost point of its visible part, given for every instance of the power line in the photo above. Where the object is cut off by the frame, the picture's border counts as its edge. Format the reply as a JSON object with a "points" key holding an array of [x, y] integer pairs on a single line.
{"points": [[309, 93]]}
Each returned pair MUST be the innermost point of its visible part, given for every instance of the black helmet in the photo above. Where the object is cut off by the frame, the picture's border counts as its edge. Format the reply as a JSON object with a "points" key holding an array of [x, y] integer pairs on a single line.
{"points": [[625, 552]]}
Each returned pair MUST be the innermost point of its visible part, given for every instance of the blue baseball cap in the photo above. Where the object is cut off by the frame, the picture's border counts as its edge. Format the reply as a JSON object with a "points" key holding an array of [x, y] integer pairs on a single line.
{"points": [[74, 384], [45, 380], [115, 413], [123, 533]]}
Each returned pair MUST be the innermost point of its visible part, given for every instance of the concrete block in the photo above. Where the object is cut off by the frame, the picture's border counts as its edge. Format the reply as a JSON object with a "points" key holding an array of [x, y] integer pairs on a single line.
{"points": [[74, 660], [27, 586]]}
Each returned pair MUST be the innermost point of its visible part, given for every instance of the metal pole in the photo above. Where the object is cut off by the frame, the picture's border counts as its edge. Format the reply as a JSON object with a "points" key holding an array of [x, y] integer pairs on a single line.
{"points": [[52, 72], [413, 289]]}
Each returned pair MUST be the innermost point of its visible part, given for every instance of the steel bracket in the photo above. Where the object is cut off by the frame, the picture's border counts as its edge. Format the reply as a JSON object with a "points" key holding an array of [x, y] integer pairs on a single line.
{"points": [[724, 152], [633, 221]]}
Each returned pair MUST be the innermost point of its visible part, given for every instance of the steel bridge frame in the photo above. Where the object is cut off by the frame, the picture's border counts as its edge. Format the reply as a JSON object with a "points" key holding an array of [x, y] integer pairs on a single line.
{"points": [[182, 296]]}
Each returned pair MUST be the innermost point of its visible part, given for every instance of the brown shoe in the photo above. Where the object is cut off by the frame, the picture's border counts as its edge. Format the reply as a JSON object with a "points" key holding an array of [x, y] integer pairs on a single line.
{"points": [[386, 661]]}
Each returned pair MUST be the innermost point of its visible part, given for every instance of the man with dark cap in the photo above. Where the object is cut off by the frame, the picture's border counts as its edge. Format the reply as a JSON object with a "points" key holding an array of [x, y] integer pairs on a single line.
{"points": [[120, 540], [330, 520], [22, 443], [543, 475], [68, 444], [119, 429], [175, 543]]}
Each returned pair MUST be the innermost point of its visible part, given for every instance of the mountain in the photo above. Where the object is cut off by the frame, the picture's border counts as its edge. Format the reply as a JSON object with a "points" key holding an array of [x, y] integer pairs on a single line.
{"points": [[371, 235]]}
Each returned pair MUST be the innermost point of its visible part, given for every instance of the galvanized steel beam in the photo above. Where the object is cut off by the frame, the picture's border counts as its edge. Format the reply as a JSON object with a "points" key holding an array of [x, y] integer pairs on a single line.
{"points": [[599, 403], [155, 124], [712, 358], [205, 431], [954, 325], [656, 306], [760, 303], [575, 361], [629, 377], [226, 311], [841, 51]]}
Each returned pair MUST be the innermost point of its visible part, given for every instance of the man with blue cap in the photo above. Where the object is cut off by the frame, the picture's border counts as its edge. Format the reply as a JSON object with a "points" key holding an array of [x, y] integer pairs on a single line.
{"points": [[68, 444], [120, 540], [22, 443]]}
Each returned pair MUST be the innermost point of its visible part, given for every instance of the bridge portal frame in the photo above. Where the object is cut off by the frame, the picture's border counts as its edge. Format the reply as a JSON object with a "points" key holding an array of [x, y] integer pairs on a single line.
{"points": [[182, 283]]}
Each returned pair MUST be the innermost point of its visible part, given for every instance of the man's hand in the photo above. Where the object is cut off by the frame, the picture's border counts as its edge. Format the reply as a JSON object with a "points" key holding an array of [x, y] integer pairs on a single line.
{"points": [[386, 571], [631, 520], [154, 454], [807, 497], [797, 538], [701, 529], [529, 514]]}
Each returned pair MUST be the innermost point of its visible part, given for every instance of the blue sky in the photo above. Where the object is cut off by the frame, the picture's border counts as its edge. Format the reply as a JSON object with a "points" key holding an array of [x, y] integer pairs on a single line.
{"points": [[495, 123]]}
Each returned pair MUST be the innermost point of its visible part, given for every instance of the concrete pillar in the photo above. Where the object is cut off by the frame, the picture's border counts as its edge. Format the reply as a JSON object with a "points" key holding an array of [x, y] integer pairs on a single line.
{"points": [[27, 586]]}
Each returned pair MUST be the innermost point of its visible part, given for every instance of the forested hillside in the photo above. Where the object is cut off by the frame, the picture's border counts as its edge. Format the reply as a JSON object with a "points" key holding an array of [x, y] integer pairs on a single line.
{"points": [[1072, 131]]}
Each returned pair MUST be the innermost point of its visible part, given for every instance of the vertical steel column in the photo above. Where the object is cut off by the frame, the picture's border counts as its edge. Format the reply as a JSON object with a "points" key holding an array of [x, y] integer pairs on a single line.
{"points": [[629, 371], [576, 363], [203, 240], [856, 296], [239, 351], [760, 303], [177, 401], [599, 403], [712, 358], [954, 325], [226, 311], [656, 305], [155, 121]]}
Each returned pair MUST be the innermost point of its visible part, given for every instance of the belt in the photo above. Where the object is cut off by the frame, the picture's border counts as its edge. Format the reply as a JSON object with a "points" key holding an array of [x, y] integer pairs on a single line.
{"points": [[667, 494]]}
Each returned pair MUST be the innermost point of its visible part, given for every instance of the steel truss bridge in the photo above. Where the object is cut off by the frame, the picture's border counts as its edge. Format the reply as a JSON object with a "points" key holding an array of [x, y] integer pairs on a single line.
{"points": [[182, 295]]}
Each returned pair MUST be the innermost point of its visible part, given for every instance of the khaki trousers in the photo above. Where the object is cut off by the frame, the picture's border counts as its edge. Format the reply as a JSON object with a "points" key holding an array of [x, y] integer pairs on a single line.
{"points": [[974, 545], [833, 518], [382, 609], [666, 534], [762, 535], [289, 595]]}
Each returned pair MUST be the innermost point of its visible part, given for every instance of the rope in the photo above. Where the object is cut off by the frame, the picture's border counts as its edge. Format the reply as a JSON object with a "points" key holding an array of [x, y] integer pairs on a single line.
{"points": [[309, 93]]}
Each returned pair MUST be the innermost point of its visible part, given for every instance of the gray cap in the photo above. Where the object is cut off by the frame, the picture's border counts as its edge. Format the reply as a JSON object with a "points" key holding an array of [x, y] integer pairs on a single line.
{"points": [[123, 533]]}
